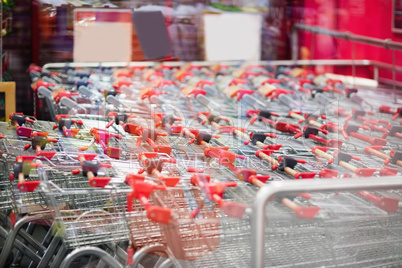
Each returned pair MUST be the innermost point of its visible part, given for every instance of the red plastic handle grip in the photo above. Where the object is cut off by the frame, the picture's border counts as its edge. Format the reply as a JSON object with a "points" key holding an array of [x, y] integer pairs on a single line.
{"points": [[99, 181], [365, 172], [305, 175], [28, 186]]}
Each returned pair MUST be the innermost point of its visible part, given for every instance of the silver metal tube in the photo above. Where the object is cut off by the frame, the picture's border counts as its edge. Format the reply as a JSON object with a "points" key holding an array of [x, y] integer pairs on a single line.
{"points": [[295, 44], [253, 101], [209, 63], [385, 43], [79, 252], [263, 195], [8, 245], [341, 62], [389, 82], [383, 65], [59, 256], [27, 252], [47, 257], [27, 236], [376, 73], [145, 251], [288, 101], [24, 249]]}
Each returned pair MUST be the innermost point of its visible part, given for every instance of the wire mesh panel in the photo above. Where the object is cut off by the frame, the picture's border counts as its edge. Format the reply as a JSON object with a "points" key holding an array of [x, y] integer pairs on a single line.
{"points": [[351, 241], [6, 200], [87, 217], [179, 153], [142, 230], [186, 238]]}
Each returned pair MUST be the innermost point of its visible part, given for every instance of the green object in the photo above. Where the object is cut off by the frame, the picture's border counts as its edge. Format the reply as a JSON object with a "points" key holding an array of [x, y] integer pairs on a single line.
{"points": [[26, 168], [59, 229], [7, 76], [224, 7], [8, 4]]}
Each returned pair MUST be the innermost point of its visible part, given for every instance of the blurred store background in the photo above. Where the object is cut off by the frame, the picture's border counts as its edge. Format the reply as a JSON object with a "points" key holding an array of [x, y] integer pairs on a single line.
{"points": [[42, 31]]}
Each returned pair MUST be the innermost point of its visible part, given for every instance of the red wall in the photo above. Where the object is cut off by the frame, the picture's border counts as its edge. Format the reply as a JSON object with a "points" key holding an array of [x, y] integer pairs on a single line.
{"points": [[370, 18]]}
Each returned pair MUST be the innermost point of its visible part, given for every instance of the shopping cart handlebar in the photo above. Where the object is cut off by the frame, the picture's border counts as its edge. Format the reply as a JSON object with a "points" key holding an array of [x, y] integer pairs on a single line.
{"points": [[264, 194]]}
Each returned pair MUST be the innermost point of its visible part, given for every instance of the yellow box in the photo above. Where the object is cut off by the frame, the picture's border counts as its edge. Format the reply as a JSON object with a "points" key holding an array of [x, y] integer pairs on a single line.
{"points": [[7, 100]]}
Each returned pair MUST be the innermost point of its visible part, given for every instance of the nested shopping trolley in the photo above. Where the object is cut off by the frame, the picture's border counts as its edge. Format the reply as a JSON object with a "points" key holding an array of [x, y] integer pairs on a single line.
{"points": [[76, 214], [182, 226], [351, 233]]}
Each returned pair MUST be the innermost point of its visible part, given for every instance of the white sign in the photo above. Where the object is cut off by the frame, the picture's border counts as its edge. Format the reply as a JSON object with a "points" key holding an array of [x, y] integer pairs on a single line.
{"points": [[232, 36]]}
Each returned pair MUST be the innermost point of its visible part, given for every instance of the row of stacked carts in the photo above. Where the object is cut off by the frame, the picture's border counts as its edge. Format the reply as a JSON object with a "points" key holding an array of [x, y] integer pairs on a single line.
{"points": [[159, 165]]}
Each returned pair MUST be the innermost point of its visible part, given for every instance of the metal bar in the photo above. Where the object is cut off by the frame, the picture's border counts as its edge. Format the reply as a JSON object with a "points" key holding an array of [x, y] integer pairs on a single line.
{"points": [[79, 252], [145, 251], [47, 257], [386, 66], [389, 82], [373, 63], [115, 251], [376, 73], [8, 245], [59, 256], [295, 44], [50, 241], [263, 195], [121, 253], [385, 43], [341, 62], [203, 63], [353, 63], [312, 47], [320, 62], [26, 251], [21, 247], [31, 241], [394, 75], [28, 233]]}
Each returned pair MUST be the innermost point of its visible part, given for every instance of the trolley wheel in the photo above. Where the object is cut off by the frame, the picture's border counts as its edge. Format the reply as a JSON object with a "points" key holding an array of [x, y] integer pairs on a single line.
{"points": [[151, 256]]}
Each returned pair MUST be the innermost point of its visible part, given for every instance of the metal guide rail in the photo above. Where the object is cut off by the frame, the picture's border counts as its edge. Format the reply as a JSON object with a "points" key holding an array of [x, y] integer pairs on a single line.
{"points": [[163, 165]]}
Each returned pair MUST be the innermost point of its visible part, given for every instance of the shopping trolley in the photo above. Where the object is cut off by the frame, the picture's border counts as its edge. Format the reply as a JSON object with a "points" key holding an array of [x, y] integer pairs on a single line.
{"points": [[76, 216], [192, 229], [331, 237], [318, 230]]}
